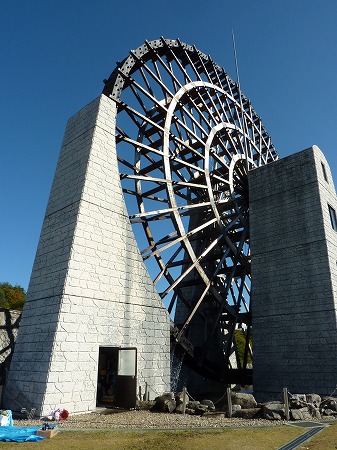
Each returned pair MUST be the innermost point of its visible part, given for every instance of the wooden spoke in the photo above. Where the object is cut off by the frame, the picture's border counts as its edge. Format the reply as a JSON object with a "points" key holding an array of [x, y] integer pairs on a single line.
{"points": [[186, 137]]}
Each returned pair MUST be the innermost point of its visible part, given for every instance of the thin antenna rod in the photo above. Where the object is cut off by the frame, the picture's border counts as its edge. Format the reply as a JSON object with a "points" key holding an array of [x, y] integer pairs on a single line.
{"points": [[240, 96], [236, 63]]}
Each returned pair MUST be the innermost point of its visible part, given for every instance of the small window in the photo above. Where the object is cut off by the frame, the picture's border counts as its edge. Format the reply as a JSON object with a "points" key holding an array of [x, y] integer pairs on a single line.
{"points": [[333, 217], [324, 173]]}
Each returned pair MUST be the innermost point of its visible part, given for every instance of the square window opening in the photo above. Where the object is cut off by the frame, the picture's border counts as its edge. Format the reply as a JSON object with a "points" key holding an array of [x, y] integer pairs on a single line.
{"points": [[324, 173], [333, 217]]}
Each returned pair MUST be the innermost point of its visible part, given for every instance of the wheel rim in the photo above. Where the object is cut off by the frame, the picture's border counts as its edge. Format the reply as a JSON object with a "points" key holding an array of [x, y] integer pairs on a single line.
{"points": [[186, 138]]}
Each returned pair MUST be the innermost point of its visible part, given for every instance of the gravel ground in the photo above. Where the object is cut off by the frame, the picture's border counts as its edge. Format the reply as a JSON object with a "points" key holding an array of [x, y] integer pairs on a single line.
{"points": [[131, 420]]}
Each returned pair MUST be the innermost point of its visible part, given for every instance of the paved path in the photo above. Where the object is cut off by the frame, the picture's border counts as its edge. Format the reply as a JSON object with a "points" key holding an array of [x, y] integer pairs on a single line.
{"points": [[314, 429]]}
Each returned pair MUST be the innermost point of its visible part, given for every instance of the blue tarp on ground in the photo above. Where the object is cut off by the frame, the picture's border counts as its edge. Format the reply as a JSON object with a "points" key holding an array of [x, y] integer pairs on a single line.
{"points": [[19, 434]]}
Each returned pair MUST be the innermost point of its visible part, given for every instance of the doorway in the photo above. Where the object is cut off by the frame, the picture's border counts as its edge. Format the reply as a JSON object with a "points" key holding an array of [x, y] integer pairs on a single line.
{"points": [[117, 380]]}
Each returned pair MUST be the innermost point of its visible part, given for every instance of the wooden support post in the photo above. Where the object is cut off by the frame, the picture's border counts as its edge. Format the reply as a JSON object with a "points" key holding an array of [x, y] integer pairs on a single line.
{"points": [[229, 402], [184, 400], [286, 403]]}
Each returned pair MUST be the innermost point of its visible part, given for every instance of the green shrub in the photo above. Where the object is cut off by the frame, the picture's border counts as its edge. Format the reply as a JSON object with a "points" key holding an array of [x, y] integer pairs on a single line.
{"points": [[12, 297]]}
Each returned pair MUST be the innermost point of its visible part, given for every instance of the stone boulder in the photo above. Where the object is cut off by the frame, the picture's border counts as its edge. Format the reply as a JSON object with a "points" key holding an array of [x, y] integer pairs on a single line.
{"points": [[193, 404], [209, 404], [328, 412], [164, 403], [169, 403], [297, 401], [274, 411], [313, 411], [246, 401], [314, 399], [179, 398], [192, 408], [201, 409], [329, 403], [249, 413], [179, 409], [234, 409], [300, 414], [196, 408]]}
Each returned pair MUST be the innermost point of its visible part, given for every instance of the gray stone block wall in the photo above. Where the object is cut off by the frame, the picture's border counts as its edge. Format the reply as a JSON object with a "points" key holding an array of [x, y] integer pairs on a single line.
{"points": [[294, 279], [89, 286]]}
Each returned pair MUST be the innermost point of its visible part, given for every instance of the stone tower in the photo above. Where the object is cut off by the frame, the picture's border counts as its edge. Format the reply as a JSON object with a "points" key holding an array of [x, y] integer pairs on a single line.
{"points": [[89, 288], [293, 221]]}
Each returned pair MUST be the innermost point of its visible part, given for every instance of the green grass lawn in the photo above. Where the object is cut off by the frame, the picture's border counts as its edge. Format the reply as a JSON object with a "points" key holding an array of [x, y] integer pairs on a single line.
{"points": [[233, 439]]}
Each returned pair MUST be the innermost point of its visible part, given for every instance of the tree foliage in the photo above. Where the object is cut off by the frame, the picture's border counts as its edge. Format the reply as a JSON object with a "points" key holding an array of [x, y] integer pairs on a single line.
{"points": [[12, 297], [241, 344]]}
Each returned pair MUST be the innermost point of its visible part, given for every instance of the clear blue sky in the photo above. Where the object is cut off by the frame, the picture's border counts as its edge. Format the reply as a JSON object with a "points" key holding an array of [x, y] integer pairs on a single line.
{"points": [[55, 54]]}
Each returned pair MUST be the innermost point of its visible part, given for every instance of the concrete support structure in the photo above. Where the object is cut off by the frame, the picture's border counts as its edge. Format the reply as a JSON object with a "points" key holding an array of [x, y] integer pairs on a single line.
{"points": [[89, 286], [294, 275]]}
